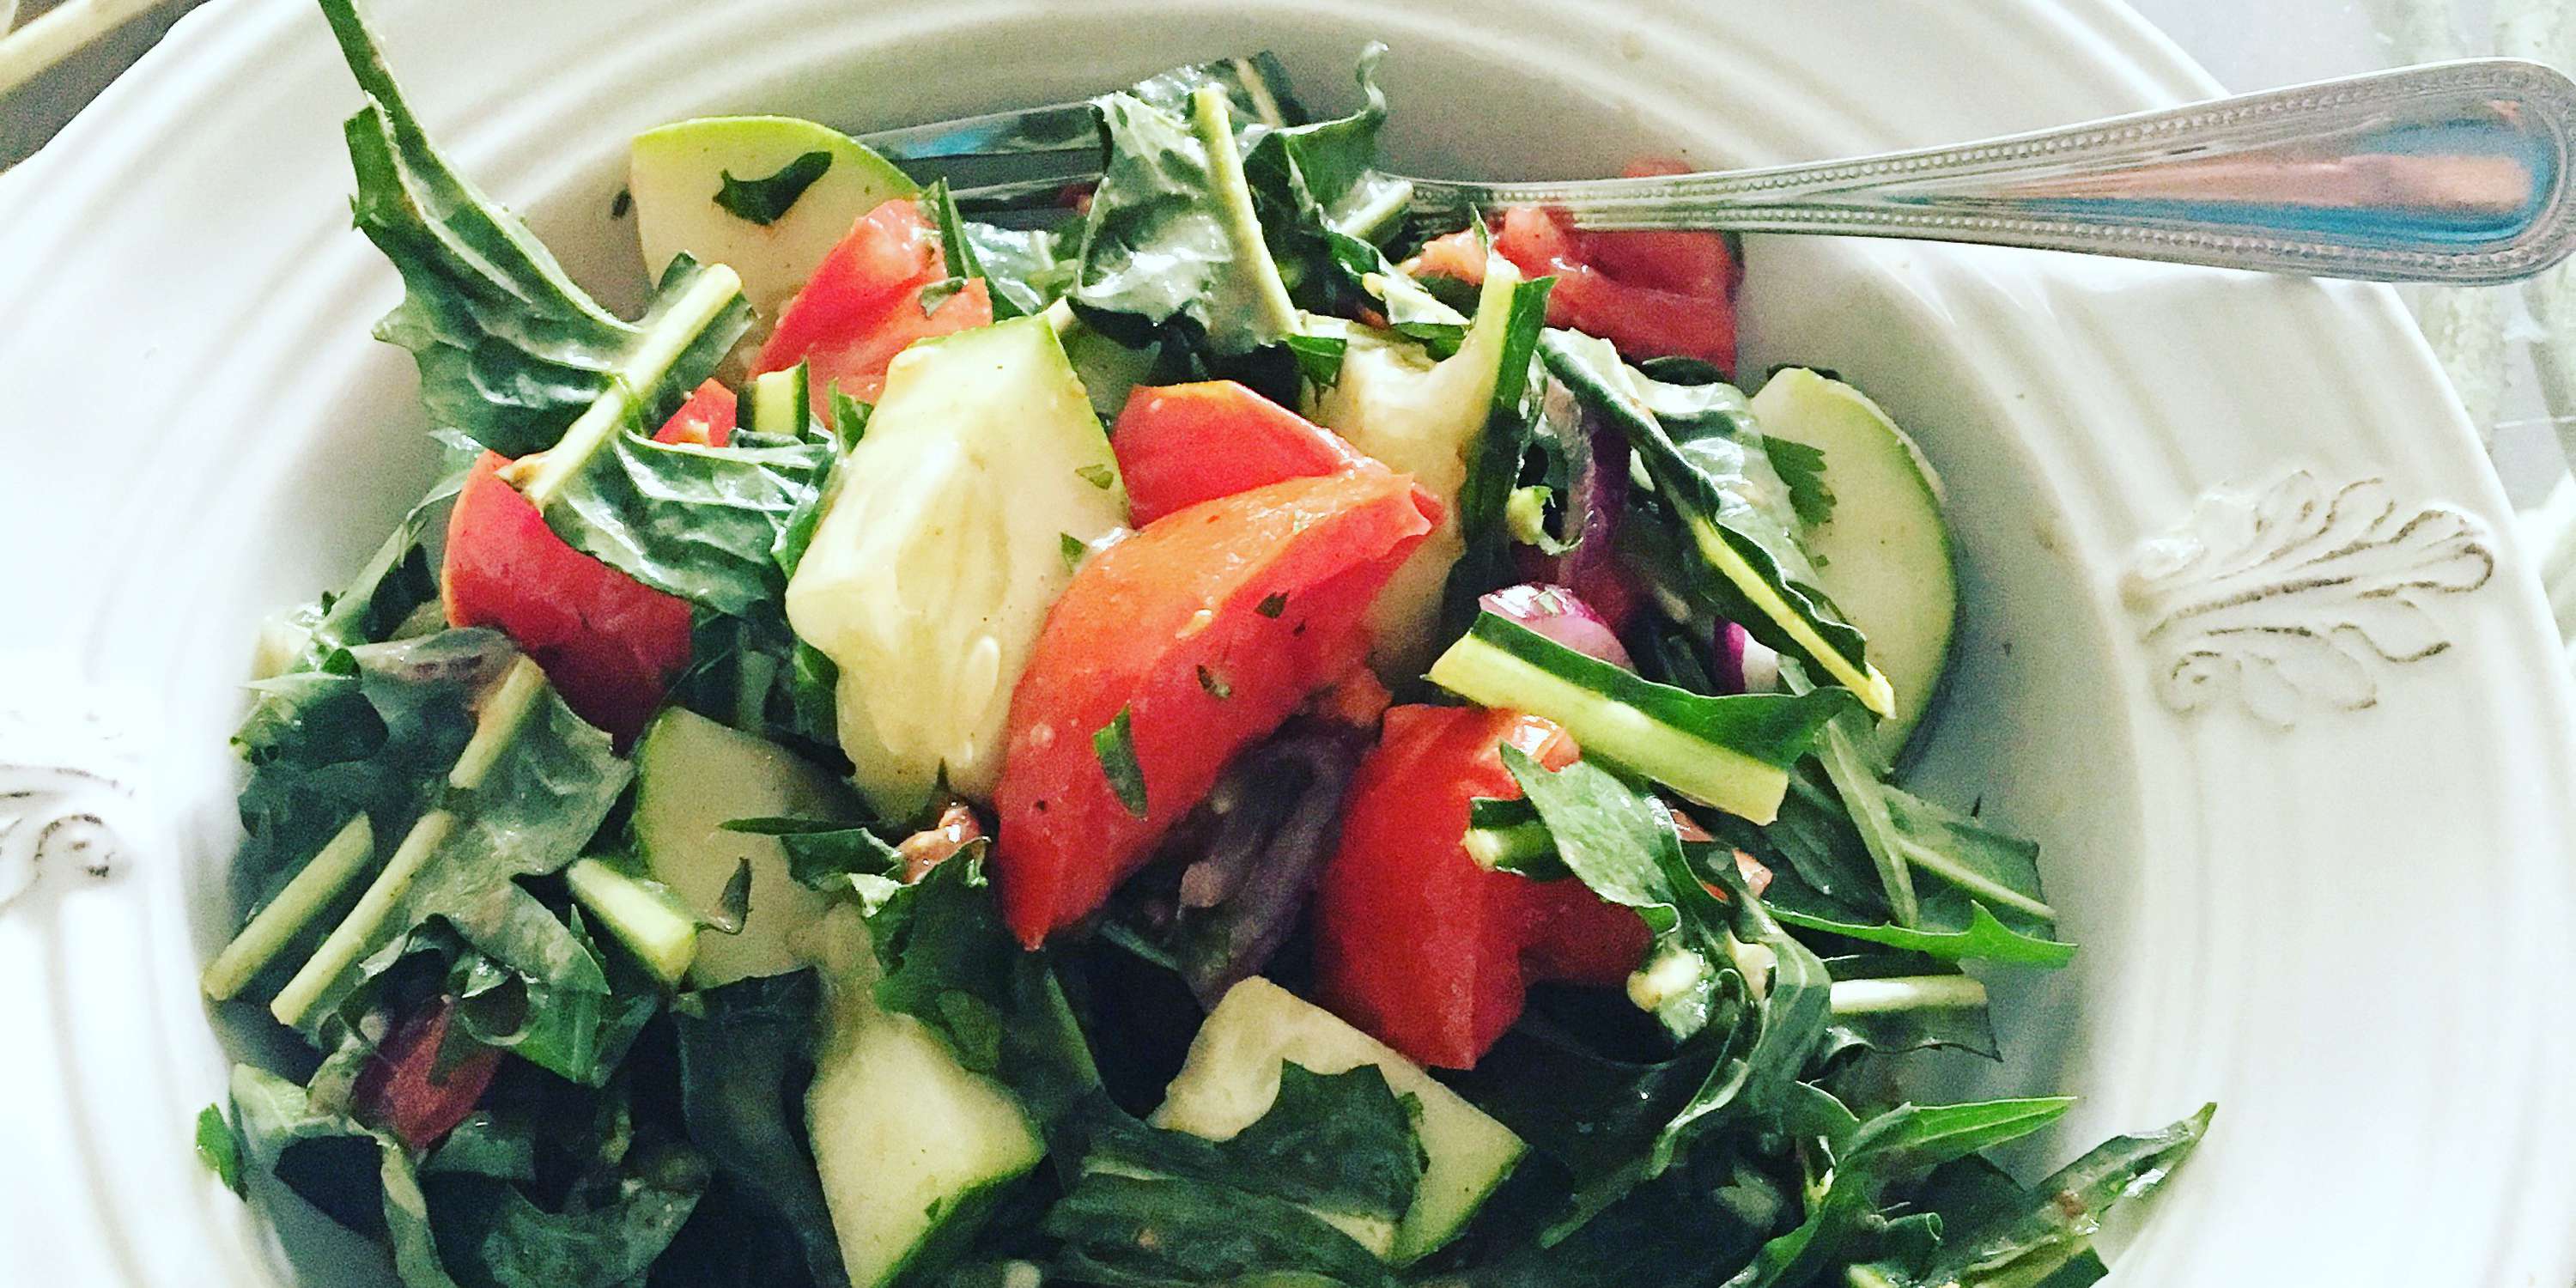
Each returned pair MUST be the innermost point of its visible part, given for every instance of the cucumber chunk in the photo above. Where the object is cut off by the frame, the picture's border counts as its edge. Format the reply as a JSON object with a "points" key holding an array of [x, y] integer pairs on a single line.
{"points": [[1426, 419], [942, 548], [693, 775], [1885, 554], [1232, 1076], [642, 913], [913, 1149], [674, 173]]}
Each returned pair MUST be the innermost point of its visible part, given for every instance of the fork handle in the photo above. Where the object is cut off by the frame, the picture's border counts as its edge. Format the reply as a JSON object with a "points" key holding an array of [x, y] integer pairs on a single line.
{"points": [[2448, 172]]}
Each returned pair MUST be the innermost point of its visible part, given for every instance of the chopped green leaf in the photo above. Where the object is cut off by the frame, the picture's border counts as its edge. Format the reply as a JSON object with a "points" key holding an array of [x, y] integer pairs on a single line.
{"points": [[702, 523], [1100, 476], [849, 421], [1115, 745], [1273, 604], [219, 1148], [1073, 549], [1215, 685], [767, 200], [510, 351], [1319, 358], [734, 903], [1172, 242]]}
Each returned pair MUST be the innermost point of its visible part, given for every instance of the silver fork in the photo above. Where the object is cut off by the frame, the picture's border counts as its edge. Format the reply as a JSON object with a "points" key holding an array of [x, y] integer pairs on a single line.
{"points": [[2451, 172]]}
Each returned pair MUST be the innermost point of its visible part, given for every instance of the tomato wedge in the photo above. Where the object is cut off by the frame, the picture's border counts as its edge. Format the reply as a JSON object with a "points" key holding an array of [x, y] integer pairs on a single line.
{"points": [[415, 1089], [1179, 445], [610, 644], [864, 305], [1205, 629], [1416, 944], [1651, 294]]}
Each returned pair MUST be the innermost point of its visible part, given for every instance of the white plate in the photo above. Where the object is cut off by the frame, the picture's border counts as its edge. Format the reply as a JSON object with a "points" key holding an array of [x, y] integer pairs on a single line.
{"points": [[2350, 931]]}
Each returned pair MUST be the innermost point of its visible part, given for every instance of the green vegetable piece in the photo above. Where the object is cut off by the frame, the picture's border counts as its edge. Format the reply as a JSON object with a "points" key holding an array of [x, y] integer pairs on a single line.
{"points": [[1172, 240], [941, 549], [1885, 554], [740, 1047], [529, 789], [692, 778], [1235, 1076], [219, 1148], [1756, 556], [913, 1149], [487, 308], [764, 201], [1115, 745], [1730, 752], [642, 913], [314, 887]]}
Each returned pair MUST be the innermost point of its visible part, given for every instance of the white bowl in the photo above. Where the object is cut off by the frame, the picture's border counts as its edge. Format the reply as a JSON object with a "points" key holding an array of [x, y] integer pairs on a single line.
{"points": [[2325, 888]]}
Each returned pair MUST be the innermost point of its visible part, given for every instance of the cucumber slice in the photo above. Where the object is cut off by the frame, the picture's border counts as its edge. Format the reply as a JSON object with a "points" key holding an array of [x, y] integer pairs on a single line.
{"points": [[675, 172], [942, 548], [1885, 554], [1232, 1076], [693, 775], [643, 914], [781, 402], [1425, 419], [912, 1148]]}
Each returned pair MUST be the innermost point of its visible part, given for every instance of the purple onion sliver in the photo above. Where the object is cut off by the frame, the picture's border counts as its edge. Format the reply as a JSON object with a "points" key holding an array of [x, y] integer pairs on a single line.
{"points": [[1559, 615]]}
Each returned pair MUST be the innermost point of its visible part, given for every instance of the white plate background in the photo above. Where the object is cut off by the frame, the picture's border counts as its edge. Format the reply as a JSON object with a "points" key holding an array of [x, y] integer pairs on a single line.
{"points": [[2353, 933]]}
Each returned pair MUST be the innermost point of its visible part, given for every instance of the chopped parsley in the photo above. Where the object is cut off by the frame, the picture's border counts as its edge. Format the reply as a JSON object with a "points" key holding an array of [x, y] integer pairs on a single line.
{"points": [[1274, 605], [1115, 745], [766, 201]]}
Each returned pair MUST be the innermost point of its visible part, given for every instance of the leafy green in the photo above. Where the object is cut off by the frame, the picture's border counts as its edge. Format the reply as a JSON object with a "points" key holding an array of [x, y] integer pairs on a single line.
{"points": [[395, 582], [1906, 1140], [1721, 496], [1978, 895], [1115, 746], [492, 1235], [1995, 1234], [1172, 243], [369, 730], [1749, 1003], [510, 351], [1494, 466], [1156, 1207], [545, 793], [556, 1020], [707, 524], [1137, 1232], [1342, 1143], [949, 960], [825, 853], [1319, 358], [356, 1177], [743, 1068], [220, 1148], [767, 199], [1892, 1003]]}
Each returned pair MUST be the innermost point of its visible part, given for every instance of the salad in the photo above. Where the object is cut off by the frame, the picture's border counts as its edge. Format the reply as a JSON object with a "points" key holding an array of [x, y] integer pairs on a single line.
{"points": [[1176, 732]]}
